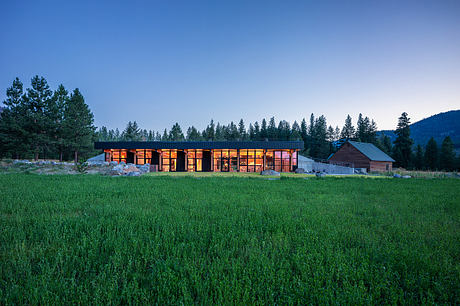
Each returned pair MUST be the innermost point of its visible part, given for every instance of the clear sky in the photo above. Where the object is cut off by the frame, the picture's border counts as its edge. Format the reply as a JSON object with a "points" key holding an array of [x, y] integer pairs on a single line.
{"points": [[161, 62]]}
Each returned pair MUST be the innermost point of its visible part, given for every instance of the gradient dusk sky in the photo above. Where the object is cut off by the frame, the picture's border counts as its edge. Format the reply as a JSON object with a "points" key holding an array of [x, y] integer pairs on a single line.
{"points": [[161, 62]]}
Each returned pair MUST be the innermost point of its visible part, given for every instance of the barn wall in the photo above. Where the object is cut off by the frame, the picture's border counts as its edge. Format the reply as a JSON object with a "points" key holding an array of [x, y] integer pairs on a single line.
{"points": [[349, 154], [381, 166]]}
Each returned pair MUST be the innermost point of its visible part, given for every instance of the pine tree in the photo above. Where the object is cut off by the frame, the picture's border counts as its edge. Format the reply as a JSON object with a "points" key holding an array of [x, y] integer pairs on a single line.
{"points": [[263, 130], [256, 131], [447, 157], [304, 131], [419, 158], [330, 134], [284, 130], [251, 132], [176, 133], [319, 146], [193, 134], [431, 154], [210, 131], [348, 130], [56, 119], [219, 132], [37, 101], [361, 128], [337, 133], [77, 125], [14, 138], [295, 132], [232, 131], [132, 132], [272, 129], [242, 130], [402, 150], [165, 136]]}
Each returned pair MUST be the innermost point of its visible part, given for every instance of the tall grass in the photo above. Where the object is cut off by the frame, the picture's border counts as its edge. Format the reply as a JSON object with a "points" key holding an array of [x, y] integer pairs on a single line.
{"points": [[225, 240]]}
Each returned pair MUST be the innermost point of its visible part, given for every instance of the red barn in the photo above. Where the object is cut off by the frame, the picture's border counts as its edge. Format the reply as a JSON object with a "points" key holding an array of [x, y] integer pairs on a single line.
{"points": [[362, 155]]}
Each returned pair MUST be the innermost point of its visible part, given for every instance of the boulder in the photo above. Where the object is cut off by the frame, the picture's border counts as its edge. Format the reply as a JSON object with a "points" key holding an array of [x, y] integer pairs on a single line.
{"points": [[299, 170], [117, 170], [133, 174], [406, 176], [113, 163], [396, 175], [270, 172], [320, 174], [122, 163], [128, 169], [143, 168]]}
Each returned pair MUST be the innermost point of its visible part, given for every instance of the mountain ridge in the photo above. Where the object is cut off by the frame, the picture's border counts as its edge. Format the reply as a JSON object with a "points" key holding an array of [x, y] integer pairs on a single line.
{"points": [[437, 126]]}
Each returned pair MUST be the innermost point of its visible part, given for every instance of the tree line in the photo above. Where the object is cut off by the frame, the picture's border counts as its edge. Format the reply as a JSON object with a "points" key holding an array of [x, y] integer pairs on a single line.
{"points": [[39, 122], [430, 158]]}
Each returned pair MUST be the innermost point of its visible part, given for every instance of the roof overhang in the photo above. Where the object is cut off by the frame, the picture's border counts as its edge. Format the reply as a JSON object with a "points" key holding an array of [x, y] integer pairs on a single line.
{"points": [[206, 145]]}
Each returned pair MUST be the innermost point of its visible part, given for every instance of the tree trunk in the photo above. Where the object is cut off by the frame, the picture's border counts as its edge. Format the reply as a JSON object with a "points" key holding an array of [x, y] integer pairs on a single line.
{"points": [[60, 156], [36, 156], [76, 156]]}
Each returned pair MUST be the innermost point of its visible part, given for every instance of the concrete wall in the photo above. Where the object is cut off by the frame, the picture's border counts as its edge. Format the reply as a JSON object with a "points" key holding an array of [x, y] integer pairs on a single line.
{"points": [[328, 168]]}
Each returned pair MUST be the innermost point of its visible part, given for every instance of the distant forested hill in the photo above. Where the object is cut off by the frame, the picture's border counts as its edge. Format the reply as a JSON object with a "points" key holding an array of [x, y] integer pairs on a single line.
{"points": [[438, 126]]}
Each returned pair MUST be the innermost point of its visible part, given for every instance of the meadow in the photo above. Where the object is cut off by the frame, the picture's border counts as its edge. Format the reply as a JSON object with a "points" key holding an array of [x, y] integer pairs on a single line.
{"points": [[157, 239]]}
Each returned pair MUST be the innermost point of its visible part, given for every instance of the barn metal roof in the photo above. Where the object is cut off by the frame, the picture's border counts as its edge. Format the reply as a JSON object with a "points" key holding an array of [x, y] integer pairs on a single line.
{"points": [[371, 151], [199, 145]]}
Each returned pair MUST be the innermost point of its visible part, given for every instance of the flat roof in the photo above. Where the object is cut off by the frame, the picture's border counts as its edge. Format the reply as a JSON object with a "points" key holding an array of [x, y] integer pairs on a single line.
{"points": [[199, 145]]}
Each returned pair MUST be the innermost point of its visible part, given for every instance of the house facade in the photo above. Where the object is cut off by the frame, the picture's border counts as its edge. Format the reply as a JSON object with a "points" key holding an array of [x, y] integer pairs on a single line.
{"points": [[362, 155], [206, 156]]}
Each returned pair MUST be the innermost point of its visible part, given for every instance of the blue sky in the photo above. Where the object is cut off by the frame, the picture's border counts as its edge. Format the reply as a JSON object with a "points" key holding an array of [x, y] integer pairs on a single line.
{"points": [[161, 62]]}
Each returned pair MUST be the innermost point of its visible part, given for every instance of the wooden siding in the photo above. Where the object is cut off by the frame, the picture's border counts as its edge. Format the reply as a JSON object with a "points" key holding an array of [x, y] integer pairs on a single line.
{"points": [[381, 166], [347, 154]]}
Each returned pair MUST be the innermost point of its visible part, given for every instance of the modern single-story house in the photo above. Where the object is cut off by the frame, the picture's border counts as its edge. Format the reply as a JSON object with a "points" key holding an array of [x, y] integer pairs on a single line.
{"points": [[220, 156], [362, 155]]}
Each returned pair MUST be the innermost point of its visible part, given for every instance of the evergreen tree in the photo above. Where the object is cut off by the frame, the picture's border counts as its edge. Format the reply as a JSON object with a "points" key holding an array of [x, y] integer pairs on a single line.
{"points": [[295, 131], [157, 136], [78, 125], [252, 134], [284, 130], [337, 133], [319, 146], [131, 132], [14, 138], [165, 136], [232, 131], [447, 157], [304, 131], [193, 134], [272, 129], [210, 131], [37, 103], [330, 134], [263, 130], [361, 128], [419, 158], [117, 135], [242, 130], [348, 130], [176, 133], [431, 154], [402, 150], [103, 134], [256, 131], [219, 132]]}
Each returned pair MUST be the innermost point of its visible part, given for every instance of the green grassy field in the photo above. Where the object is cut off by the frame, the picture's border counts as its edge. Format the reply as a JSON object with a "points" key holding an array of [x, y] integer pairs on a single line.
{"points": [[225, 240]]}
